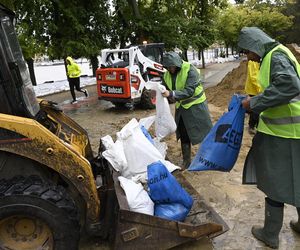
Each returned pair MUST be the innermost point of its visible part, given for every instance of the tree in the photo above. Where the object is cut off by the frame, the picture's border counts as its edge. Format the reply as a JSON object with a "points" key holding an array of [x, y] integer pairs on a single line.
{"points": [[31, 30], [292, 34], [230, 22], [178, 23], [61, 28], [202, 31], [267, 17], [8, 3]]}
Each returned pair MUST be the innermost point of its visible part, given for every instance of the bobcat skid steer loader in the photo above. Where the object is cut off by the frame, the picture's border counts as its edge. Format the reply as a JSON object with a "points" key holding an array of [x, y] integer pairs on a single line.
{"points": [[124, 73]]}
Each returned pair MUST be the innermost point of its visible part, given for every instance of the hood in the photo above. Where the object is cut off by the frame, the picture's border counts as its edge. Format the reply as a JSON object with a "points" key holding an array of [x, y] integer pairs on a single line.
{"points": [[70, 59], [171, 59], [255, 40]]}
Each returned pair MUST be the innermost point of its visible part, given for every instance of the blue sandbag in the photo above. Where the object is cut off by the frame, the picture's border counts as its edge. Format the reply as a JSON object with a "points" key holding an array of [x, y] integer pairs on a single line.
{"points": [[147, 134], [220, 148], [176, 211], [165, 190]]}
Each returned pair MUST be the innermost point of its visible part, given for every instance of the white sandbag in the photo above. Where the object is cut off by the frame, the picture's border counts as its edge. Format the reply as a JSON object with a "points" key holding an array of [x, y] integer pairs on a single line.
{"points": [[107, 141], [161, 146], [147, 121], [137, 198], [140, 178], [164, 120], [139, 151], [114, 153]]}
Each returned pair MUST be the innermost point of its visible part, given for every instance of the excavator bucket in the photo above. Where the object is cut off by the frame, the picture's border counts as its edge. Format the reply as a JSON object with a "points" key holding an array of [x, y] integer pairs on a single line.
{"points": [[137, 231]]}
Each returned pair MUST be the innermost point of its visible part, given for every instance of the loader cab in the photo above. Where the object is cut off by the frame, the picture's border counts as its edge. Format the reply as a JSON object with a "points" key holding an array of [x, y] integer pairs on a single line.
{"points": [[17, 96], [153, 51]]}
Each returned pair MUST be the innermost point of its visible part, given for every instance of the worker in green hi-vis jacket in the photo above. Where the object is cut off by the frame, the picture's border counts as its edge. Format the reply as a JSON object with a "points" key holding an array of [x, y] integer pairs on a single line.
{"points": [[274, 156], [184, 86]]}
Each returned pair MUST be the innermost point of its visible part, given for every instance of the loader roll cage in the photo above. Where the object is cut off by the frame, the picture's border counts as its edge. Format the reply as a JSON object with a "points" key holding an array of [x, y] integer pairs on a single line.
{"points": [[120, 58], [16, 91]]}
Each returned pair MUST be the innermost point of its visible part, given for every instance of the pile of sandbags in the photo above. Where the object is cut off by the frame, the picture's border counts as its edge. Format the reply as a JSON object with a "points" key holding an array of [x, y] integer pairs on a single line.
{"points": [[135, 154]]}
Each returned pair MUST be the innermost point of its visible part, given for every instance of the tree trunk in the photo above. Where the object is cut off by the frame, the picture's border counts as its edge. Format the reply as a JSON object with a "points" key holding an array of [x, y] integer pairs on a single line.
{"points": [[227, 51], [184, 55], [123, 23], [140, 36], [203, 61], [95, 64], [135, 8], [31, 70], [199, 54]]}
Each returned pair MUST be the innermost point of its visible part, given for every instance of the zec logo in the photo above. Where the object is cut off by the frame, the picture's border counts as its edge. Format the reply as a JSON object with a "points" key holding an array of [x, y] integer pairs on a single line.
{"points": [[226, 134]]}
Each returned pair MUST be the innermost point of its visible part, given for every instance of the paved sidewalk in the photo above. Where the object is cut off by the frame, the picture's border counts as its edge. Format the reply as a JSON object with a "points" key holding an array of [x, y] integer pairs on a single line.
{"points": [[214, 73]]}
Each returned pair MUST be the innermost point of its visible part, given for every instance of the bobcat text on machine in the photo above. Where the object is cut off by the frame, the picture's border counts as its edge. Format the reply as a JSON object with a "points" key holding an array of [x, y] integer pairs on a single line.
{"points": [[124, 73], [53, 188]]}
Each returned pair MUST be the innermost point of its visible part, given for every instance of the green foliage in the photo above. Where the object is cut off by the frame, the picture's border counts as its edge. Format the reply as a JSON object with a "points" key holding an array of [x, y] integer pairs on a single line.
{"points": [[82, 28], [63, 27], [266, 15], [292, 34], [30, 29], [176, 23], [8, 4]]}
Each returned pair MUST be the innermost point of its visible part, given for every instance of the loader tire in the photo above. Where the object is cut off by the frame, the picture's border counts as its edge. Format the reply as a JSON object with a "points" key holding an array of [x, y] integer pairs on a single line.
{"points": [[36, 214], [147, 99]]}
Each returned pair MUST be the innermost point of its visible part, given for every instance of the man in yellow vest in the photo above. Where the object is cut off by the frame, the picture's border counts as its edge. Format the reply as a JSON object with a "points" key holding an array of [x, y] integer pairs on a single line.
{"points": [[252, 88], [275, 149], [74, 71], [184, 86]]}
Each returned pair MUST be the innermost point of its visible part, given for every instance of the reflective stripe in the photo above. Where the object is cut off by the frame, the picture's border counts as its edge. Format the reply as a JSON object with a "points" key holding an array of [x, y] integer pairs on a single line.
{"points": [[281, 121], [295, 99], [193, 98]]}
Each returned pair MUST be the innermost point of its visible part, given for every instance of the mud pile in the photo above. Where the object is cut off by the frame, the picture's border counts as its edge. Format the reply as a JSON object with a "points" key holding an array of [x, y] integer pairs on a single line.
{"points": [[232, 83], [295, 50]]}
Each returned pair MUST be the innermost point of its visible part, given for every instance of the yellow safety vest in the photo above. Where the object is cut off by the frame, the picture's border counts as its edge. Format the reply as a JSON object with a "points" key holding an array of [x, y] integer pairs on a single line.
{"points": [[198, 96], [283, 120]]}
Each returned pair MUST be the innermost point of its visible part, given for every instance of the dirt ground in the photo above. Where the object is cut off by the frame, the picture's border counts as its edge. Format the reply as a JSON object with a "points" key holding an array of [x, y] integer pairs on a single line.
{"points": [[241, 206]]}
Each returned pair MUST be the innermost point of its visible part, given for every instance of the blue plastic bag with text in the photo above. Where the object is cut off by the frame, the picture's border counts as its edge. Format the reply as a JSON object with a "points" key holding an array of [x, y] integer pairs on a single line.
{"points": [[220, 148], [171, 200]]}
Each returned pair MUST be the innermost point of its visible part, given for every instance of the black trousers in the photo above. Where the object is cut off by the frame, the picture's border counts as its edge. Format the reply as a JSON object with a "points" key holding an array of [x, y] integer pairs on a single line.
{"points": [[253, 120], [74, 83], [184, 137]]}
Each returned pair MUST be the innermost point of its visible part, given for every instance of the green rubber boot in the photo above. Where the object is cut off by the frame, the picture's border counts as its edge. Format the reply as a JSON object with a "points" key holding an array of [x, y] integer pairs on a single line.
{"points": [[186, 155], [269, 234], [295, 225]]}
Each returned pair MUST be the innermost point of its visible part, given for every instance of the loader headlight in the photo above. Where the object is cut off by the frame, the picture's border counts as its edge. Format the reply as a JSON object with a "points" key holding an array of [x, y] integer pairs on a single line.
{"points": [[100, 77]]}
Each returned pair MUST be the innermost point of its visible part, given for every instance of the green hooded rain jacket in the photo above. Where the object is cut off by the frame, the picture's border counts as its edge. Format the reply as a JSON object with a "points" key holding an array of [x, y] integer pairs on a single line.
{"points": [[273, 162], [196, 118]]}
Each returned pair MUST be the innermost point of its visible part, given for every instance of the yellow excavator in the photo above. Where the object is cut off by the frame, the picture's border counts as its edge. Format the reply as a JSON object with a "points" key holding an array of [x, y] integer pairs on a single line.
{"points": [[53, 189]]}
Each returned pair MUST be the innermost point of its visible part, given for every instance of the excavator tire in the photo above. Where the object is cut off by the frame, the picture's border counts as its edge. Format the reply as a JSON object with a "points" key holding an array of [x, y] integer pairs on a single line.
{"points": [[35, 214], [147, 100]]}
